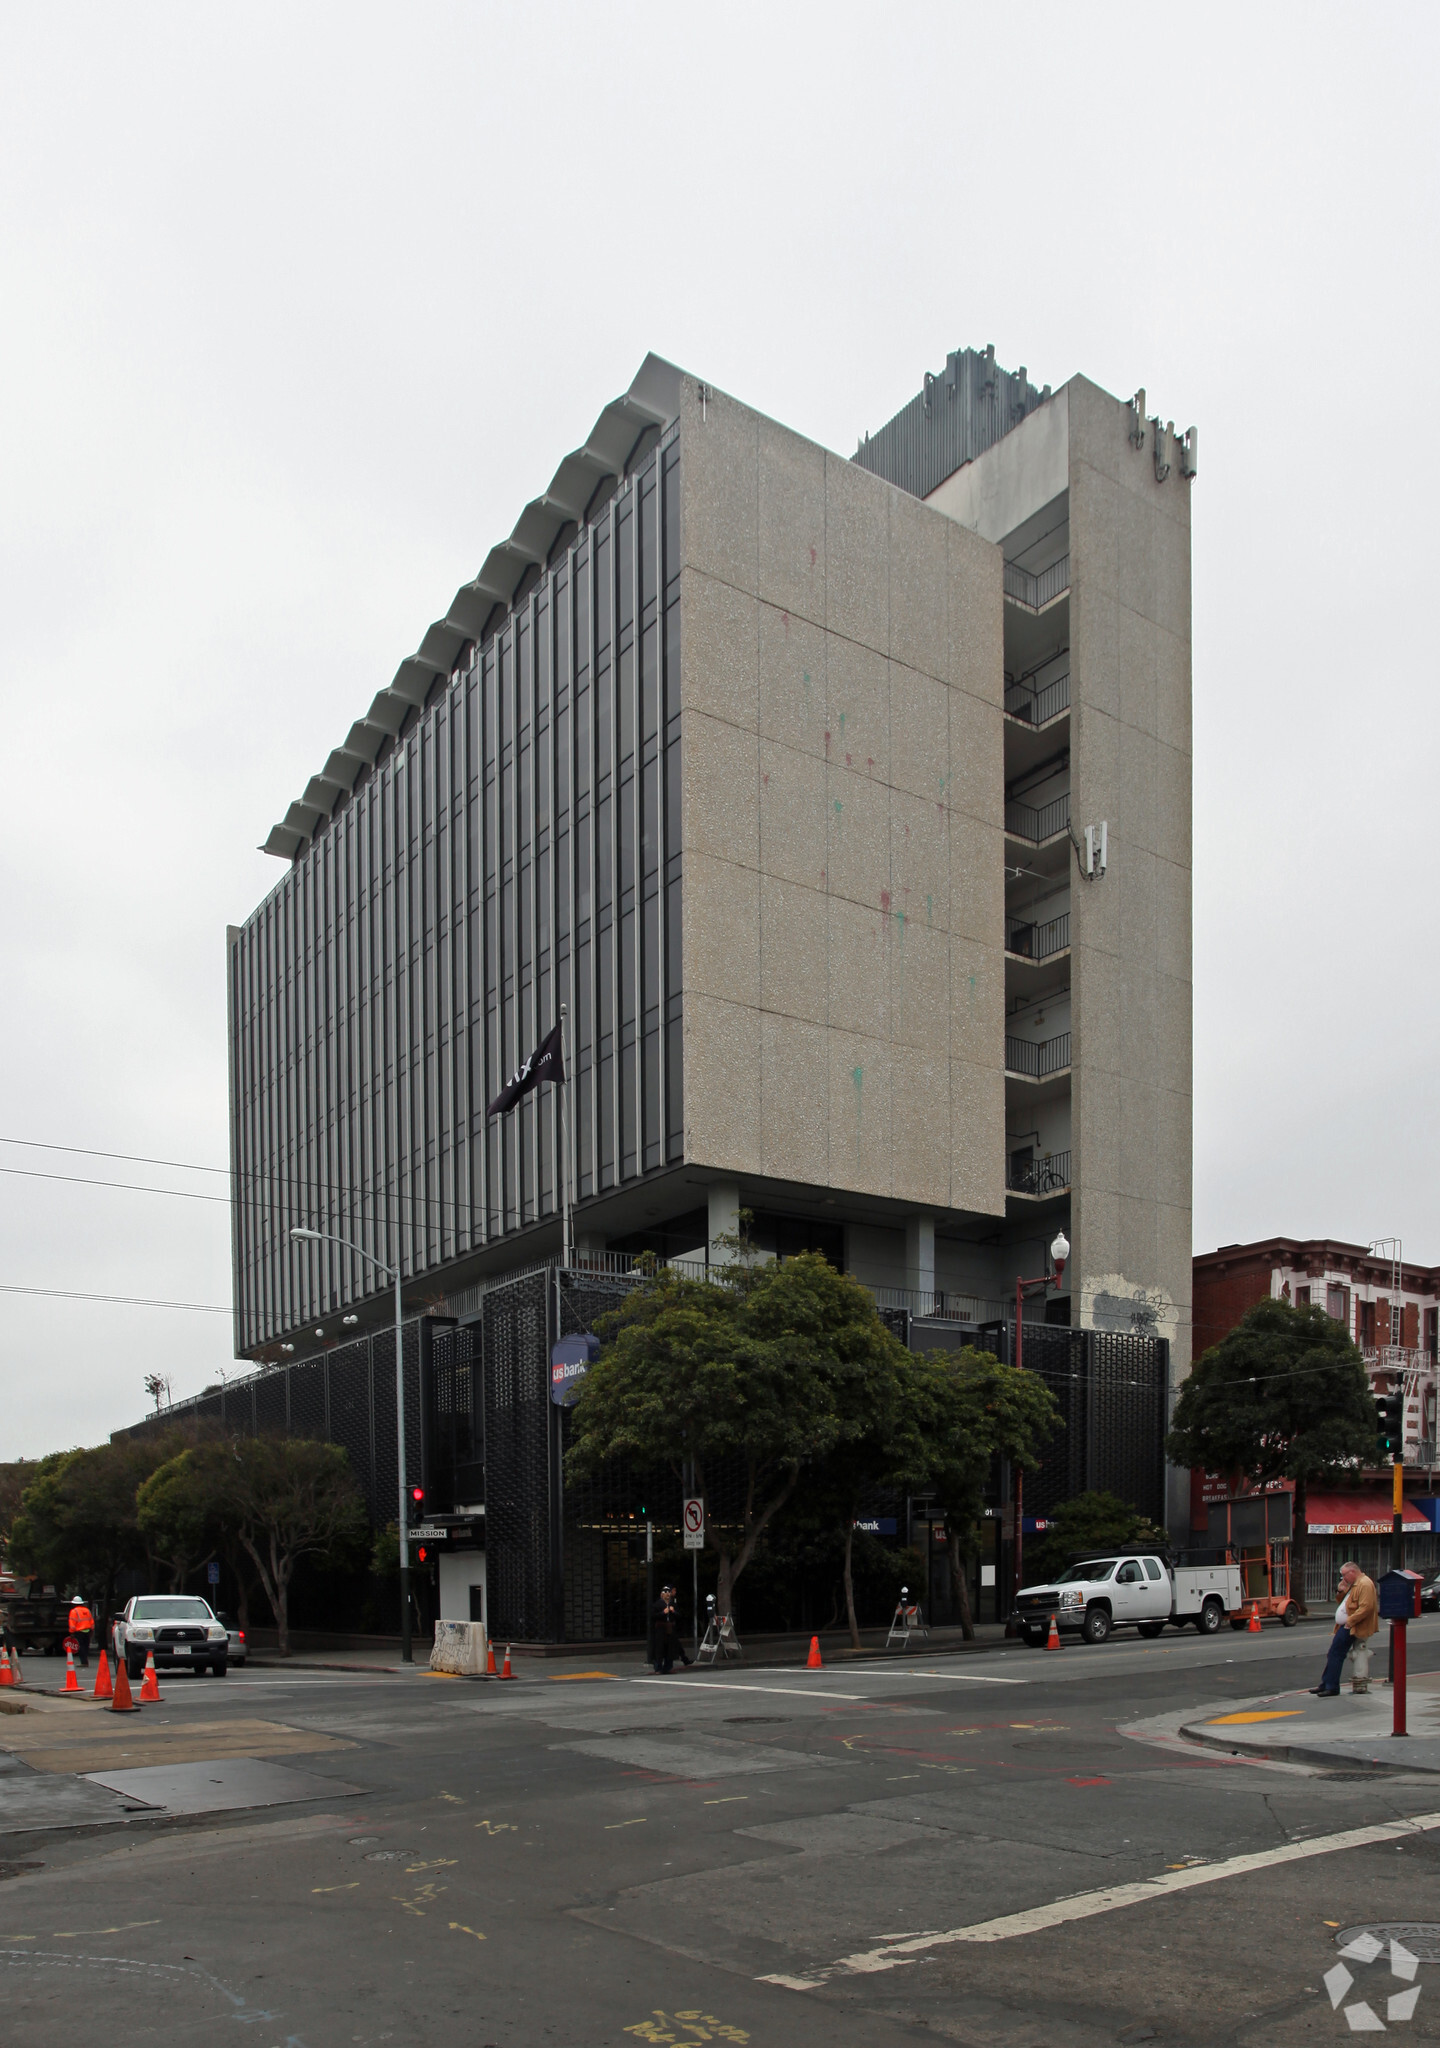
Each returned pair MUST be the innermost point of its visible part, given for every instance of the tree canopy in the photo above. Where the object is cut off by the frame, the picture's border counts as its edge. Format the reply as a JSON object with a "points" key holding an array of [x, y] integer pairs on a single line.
{"points": [[282, 1499], [1284, 1395], [973, 1409], [1092, 1522], [76, 1524], [770, 1370]]}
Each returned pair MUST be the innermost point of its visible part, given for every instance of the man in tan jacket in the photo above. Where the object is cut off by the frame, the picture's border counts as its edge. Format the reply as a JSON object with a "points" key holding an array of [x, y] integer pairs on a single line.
{"points": [[1356, 1620]]}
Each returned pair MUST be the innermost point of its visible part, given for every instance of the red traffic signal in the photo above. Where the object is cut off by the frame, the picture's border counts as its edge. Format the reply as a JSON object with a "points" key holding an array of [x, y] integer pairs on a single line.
{"points": [[421, 1553], [417, 1495]]}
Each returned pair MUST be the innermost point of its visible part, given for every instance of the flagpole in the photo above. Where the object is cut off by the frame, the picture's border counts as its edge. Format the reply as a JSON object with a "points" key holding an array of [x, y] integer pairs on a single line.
{"points": [[565, 1246]]}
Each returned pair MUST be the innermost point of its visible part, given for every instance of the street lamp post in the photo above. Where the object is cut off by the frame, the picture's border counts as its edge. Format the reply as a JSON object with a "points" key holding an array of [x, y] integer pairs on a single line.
{"points": [[391, 1273], [1059, 1253]]}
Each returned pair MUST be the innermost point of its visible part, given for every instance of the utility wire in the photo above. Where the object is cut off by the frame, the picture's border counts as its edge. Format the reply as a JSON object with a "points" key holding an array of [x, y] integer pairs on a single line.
{"points": [[360, 1199], [129, 1300]]}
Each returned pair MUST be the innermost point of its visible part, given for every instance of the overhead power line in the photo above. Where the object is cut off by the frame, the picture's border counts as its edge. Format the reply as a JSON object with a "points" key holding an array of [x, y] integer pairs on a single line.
{"points": [[209, 1308]]}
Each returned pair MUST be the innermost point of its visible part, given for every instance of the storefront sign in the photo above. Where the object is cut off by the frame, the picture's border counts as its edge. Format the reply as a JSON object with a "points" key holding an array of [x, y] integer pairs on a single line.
{"points": [[570, 1360]]}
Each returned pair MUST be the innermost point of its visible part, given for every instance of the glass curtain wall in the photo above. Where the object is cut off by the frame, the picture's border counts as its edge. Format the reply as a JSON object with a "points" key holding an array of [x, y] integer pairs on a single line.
{"points": [[516, 847]]}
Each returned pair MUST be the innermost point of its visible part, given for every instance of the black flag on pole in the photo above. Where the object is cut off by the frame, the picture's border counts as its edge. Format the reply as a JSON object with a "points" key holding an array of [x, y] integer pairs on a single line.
{"points": [[546, 1063]]}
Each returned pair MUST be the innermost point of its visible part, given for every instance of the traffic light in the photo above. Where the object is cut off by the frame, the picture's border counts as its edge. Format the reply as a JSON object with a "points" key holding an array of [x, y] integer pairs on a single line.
{"points": [[417, 1503], [1390, 1416], [422, 1554]]}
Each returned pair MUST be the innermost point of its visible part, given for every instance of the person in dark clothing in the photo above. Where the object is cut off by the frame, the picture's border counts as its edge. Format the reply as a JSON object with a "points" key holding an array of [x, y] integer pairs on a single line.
{"points": [[668, 1638]]}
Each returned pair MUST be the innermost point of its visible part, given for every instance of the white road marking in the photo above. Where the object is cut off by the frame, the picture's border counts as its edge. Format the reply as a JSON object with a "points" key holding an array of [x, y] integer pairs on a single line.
{"points": [[947, 1677], [731, 1685], [1086, 1905]]}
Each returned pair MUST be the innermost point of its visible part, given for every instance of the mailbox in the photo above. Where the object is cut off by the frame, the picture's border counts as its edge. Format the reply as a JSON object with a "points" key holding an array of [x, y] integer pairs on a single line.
{"points": [[1400, 1595]]}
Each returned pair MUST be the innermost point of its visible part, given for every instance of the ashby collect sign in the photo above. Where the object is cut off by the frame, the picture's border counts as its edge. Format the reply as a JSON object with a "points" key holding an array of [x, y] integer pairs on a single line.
{"points": [[570, 1360]]}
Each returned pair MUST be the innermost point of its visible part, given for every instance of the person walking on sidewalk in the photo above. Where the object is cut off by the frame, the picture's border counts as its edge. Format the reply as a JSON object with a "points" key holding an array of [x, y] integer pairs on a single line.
{"points": [[1356, 1620], [668, 1638]]}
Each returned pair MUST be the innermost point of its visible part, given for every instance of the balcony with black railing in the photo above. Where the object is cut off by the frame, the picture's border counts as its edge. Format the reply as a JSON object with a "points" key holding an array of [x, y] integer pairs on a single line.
{"points": [[1037, 939], [1039, 1178], [1037, 823], [1036, 704], [1037, 1059]]}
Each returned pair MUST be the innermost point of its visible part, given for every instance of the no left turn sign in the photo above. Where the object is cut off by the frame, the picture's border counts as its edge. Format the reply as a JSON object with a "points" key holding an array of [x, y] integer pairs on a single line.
{"points": [[694, 1525]]}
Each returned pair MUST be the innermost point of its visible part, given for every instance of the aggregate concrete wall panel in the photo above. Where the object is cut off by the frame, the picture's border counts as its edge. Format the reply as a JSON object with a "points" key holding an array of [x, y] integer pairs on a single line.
{"points": [[843, 747], [1131, 930]]}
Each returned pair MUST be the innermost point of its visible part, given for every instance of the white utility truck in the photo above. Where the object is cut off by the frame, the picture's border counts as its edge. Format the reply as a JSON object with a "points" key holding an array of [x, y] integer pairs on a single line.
{"points": [[1131, 1588]]}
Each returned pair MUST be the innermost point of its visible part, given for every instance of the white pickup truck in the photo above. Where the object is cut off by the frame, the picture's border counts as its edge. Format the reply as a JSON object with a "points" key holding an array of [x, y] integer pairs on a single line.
{"points": [[1100, 1594]]}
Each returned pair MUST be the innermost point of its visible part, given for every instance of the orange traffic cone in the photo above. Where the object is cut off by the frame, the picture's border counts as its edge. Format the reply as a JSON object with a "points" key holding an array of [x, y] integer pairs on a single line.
{"points": [[103, 1688], [72, 1676], [121, 1702], [6, 1676], [490, 1661], [812, 1662], [507, 1672], [1052, 1641], [1252, 1627], [150, 1684]]}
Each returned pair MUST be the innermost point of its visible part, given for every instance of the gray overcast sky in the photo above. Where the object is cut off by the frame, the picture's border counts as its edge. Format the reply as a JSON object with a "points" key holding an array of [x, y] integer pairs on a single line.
{"points": [[301, 308]]}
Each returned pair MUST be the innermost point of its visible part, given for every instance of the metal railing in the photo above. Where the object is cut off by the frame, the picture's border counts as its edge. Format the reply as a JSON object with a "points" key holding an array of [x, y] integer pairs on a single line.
{"points": [[1035, 592], [1030, 941], [1037, 1058], [1025, 821], [1034, 706], [944, 1305], [1048, 1176]]}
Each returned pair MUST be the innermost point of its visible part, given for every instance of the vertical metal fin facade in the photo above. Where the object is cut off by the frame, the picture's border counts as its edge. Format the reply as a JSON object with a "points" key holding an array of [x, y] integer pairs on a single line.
{"points": [[956, 416], [516, 846]]}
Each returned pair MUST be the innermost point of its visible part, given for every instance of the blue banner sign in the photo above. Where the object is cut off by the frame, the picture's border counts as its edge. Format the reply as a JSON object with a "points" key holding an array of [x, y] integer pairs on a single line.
{"points": [[877, 1525], [570, 1360]]}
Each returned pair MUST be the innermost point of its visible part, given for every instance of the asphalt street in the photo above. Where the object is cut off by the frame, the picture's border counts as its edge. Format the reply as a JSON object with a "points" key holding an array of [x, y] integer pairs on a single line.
{"points": [[1011, 1849]]}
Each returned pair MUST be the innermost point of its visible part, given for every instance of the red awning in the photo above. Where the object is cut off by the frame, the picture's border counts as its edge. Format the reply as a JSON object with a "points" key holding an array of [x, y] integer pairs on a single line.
{"points": [[1360, 1514]]}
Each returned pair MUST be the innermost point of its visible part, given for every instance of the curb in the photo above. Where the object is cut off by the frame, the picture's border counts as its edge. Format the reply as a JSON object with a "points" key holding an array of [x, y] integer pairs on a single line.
{"points": [[1305, 1753]]}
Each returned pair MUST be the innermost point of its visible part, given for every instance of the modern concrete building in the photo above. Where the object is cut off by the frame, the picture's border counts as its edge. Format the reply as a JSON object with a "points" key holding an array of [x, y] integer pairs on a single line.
{"points": [[846, 805]]}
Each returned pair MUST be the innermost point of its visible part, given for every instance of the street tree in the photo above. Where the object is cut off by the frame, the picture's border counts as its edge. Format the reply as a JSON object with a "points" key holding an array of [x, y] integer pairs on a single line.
{"points": [[764, 1369], [1283, 1396], [972, 1410], [1089, 1524], [283, 1500], [77, 1524]]}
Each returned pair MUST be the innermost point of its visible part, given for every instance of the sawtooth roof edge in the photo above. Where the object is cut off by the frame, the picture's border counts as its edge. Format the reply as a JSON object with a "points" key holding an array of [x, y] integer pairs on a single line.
{"points": [[653, 400]]}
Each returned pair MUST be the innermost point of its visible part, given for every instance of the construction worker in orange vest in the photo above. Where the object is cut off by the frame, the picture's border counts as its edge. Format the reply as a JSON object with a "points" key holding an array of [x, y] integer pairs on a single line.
{"points": [[81, 1623]]}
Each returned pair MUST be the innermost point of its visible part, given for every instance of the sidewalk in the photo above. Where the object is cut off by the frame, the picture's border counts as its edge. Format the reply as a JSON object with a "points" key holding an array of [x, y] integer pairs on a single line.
{"points": [[1352, 1732], [762, 1653]]}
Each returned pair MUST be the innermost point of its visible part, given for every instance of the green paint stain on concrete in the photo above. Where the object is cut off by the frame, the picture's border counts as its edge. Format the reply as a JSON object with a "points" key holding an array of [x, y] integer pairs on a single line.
{"points": [[839, 807], [930, 910]]}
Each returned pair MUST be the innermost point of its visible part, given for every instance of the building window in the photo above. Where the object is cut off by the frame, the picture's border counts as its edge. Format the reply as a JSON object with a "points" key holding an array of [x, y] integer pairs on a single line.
{"points": [[1365, 1325], [1395, 1323], [1432, 1331], [1302, 1297], [1337, 1304]]}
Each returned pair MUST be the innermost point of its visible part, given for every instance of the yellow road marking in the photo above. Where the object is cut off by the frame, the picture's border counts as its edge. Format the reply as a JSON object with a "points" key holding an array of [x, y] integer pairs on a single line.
{"points": [[638, 1822], [1278, 1714], [451, 1797], [498, 1827], [570, 1677], [336, 1887], [436, 1863], [458, 1927], [78, 1933], [730, 1800]]}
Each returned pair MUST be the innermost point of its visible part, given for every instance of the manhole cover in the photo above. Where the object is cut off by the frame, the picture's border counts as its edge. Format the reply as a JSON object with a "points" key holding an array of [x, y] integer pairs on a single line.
{"points": [[755, 1720], [1421, 1937], [388, 1856]]}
